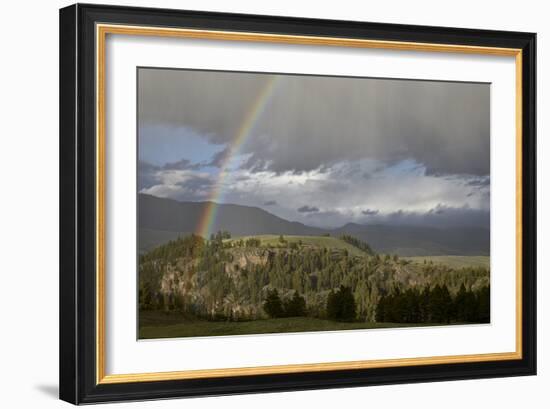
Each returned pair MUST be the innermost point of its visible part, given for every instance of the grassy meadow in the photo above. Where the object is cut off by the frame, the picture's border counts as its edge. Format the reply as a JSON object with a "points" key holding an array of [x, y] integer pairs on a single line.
{"points": [[329, 242], [172, 325], [453, 261]]}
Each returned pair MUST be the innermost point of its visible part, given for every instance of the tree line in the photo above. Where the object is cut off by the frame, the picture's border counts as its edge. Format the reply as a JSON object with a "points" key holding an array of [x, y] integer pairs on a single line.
{"points": [[340, 305], [355, 242], [435, 305], [414, 305]]}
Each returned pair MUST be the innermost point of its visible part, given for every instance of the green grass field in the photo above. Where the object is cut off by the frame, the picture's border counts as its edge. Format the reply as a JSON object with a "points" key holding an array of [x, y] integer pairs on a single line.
{"points": [[314, 241], [453, 261], [171, 325]]}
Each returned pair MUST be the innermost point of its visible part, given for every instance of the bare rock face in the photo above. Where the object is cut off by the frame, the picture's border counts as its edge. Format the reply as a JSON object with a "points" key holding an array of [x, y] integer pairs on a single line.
{"points": [[181, 284], [243, 258], [179, 278]]}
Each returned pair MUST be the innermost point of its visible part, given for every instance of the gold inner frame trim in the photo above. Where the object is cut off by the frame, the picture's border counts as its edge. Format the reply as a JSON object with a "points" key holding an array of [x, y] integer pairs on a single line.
{"points": [[101, 33]]}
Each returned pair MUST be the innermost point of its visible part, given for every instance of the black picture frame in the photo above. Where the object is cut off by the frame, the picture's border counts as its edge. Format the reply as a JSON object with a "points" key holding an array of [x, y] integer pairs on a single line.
{"points": [[78, 360]]}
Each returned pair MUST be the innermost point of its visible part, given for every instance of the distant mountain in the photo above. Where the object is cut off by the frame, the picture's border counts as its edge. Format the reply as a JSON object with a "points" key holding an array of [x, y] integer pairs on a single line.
{"points": [[161, 220], [421, 241]]}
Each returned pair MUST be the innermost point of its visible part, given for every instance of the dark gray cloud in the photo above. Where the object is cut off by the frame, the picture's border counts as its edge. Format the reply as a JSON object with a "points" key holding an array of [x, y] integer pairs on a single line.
{"points": [[177, 180], [181, 165], [370, 212], [311, 121], [481, 182], [181, 185], [439, 216], [146, 175], [308, 209], [437, 210], [270, 203], [219, 158], [149, 174]]}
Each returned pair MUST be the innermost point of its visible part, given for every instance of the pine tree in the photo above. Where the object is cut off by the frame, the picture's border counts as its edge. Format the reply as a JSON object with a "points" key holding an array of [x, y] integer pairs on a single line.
{"points": [[341, 305], [381, 310], [296, 306], [145, 296], [273, 305], [484, 305], [460, 304]]}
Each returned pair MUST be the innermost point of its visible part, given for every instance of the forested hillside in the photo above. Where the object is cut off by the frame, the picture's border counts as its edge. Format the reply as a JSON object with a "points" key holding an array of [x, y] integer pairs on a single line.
{"points": [[340, 279]]}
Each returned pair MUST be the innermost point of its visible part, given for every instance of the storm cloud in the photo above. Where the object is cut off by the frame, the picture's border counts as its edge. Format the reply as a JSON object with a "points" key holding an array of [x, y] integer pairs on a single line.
{"points": [[311, 121], [323, 151], [181, 165], [308, 209]]}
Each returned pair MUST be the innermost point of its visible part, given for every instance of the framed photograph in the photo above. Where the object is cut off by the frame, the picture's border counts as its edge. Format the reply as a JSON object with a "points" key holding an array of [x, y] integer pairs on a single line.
{"points": [[257, 203]]}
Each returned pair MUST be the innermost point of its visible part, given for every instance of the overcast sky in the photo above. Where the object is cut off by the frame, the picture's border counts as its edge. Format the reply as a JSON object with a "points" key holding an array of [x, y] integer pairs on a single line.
{"points": [[324, 151]]}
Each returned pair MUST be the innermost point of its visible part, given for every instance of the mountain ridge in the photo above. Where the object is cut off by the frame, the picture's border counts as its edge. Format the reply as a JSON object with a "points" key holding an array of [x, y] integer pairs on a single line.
{"points": [[163, 219]]}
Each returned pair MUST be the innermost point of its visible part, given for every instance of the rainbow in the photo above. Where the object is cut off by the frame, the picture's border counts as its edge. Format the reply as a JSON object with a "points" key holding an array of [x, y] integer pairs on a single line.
{"points": [[208, 216]]}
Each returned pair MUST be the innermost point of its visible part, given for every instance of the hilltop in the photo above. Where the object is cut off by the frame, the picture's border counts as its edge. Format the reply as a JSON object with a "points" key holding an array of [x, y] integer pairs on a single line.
{"points": [[303, 242]]}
